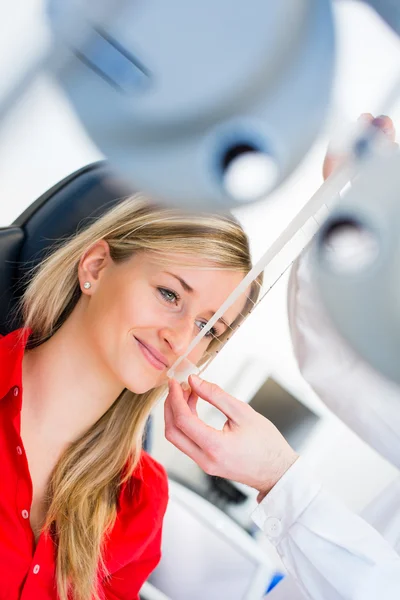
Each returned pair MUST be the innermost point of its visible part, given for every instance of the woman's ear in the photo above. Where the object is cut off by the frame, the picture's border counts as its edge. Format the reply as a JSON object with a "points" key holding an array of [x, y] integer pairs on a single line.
{"points": [[92, 265]]}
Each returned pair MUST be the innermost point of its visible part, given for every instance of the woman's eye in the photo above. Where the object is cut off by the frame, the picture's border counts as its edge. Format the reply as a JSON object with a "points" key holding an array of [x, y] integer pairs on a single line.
{"points": [[211, 333], [168, 295]]}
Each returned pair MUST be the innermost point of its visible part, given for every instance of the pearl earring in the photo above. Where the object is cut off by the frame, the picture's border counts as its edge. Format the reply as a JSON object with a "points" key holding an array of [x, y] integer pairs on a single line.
{"points": [[87, 285]]}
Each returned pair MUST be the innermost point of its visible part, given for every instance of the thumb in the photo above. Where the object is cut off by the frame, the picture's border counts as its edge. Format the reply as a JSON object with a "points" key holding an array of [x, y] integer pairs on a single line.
{"points": [[212, 393], [192, 402]]}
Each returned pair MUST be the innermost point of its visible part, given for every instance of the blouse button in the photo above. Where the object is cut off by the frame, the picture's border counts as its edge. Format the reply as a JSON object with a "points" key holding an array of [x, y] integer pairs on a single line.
{"points": [[16, 391], [19, 450], [36, 569], [25, 514]]}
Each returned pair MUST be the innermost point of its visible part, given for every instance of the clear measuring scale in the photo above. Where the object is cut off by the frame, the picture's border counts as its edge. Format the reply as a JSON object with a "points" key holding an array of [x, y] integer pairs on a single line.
{"points": [[281, 254]]}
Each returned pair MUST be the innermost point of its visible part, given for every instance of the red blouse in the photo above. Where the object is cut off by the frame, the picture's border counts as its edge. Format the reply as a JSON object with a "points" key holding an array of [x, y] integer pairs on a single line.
{"points": [[28, 572]]}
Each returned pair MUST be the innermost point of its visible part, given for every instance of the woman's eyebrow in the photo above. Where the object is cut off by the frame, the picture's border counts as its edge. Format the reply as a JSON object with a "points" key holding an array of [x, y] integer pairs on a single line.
{"points": [[183, 283], [190, 290]]}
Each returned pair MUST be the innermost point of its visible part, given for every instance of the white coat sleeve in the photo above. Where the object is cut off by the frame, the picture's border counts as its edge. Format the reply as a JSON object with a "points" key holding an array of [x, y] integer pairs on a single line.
{"points": [[362, 398], [331, 552]]}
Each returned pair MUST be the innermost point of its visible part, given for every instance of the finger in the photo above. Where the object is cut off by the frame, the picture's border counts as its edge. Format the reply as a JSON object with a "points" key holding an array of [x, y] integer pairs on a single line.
{"points": [[192, 402], [366, 118], [212, 393], [186, 445], [186, 391], [190, 397], [331, 162], [203, 435], [180, 395], [385, 124], [179, 439]]}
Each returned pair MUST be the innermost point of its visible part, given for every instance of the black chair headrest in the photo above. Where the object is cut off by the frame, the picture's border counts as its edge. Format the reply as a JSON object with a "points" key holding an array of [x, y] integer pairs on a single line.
{"points": [[57, 214]]}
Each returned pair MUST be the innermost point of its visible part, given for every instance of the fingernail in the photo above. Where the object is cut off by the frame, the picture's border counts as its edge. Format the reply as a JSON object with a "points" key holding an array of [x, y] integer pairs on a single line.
{"points": [[196, 379], [379, 122], [185, 386]]}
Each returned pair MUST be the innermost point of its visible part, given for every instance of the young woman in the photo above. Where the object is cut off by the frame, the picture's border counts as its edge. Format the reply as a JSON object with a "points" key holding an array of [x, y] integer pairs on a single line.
{"points": [[106, 315]]}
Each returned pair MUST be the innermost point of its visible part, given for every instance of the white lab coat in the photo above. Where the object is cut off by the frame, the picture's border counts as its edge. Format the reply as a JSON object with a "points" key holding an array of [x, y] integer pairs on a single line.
{"points": [[330, 552]]}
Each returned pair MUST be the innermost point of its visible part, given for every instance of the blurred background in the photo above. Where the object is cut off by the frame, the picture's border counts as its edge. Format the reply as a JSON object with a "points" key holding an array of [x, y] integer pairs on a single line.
{"points": [[41, 142]]}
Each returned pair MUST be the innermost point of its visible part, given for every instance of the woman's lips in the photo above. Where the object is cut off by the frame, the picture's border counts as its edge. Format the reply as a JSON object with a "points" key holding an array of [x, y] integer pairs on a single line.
{"points": [[152, 359]]}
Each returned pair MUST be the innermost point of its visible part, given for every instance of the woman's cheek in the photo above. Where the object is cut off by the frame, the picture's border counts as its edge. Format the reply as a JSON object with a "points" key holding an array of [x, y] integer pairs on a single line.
{"points": [[140, 313]]}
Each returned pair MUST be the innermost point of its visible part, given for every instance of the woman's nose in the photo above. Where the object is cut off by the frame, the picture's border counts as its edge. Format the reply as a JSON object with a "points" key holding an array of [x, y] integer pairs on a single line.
{"points": [[178, 335]]}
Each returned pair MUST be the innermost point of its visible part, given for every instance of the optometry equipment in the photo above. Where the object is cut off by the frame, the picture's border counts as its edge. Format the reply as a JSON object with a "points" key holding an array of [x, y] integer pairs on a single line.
{"points": [[193, 102], [190, 101]]}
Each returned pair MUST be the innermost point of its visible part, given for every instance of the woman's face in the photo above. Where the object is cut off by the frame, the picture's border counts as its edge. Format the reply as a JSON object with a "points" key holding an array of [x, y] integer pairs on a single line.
{"points": [[142, 315]]}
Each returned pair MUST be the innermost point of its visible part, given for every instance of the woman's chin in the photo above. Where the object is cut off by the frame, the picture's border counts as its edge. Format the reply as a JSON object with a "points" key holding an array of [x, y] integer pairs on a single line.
{"points": [[146, 384], [140, 378]]}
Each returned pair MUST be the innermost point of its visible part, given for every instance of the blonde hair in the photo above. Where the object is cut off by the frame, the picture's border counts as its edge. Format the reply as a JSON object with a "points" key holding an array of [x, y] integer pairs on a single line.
{"points": [[84, 485]]}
